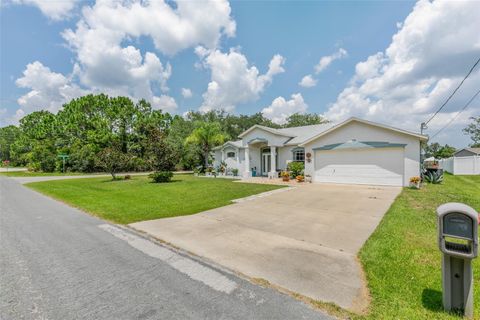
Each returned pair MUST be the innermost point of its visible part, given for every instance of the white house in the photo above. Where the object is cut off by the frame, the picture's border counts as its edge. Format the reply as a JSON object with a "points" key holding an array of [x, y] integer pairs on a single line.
{"points": [[354, 151]]}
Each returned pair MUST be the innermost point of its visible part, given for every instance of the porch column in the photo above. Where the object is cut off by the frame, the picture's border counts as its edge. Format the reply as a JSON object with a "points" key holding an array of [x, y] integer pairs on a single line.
{"points": [[247, 172], [223, 155], [273, 162]]}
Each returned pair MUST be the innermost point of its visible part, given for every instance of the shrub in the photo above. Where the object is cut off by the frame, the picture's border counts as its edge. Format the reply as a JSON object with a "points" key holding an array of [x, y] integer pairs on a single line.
{"points": [[161, 176], [296, 168], [235, 172], [434, 177], [127, 177]]}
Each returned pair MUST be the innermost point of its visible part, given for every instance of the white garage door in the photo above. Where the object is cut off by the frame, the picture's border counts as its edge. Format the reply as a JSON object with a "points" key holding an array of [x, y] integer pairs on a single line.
{"points": [[363, 166]]}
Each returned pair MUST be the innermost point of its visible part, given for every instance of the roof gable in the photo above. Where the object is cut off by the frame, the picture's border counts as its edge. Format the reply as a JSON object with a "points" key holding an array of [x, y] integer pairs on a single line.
{"points": [[374, 124], [267, 129], [475, 151]]}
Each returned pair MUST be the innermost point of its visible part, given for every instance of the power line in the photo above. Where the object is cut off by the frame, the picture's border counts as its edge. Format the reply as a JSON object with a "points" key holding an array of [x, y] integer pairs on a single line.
{"points": [[458, 114], [453, 93]]}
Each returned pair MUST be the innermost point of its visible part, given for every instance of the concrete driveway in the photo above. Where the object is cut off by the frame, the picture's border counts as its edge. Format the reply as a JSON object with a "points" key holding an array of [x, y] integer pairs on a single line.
{"points": [[304, 240]]}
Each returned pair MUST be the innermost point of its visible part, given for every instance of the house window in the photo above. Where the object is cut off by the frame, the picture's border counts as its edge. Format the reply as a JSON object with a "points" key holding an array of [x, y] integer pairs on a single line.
{"points": [[299, 155], [231, 154]]}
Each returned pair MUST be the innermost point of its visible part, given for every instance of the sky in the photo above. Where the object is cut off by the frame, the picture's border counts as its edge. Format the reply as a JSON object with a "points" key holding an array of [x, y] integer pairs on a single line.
{"points": [[393, 62]]}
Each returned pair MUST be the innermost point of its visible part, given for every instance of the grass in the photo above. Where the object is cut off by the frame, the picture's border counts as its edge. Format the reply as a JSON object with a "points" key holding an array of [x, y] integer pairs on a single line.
{"points": [[402, 260], [39, 174], [138, 199]]}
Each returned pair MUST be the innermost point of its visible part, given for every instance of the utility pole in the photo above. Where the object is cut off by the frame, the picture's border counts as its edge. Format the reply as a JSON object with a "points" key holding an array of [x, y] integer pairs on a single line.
{"points": [[423, 126]]}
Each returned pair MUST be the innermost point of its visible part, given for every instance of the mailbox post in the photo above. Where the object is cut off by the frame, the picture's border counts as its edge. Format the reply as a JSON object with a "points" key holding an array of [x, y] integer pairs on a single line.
{"points": [[458, 241]]}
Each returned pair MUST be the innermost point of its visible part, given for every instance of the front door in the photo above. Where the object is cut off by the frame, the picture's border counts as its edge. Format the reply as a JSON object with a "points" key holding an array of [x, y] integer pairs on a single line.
{"points": [[266, 163]]}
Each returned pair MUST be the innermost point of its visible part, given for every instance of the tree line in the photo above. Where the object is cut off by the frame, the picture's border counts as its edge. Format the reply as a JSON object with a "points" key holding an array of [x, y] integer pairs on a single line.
{"points": [[102, 133]]}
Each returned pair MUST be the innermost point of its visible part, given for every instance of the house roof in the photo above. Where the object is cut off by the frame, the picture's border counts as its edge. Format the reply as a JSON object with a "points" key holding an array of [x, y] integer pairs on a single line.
{"points": [[301, 134], [268, 129], [375, 124], [305, 134], [235, 144], [472, 150]]}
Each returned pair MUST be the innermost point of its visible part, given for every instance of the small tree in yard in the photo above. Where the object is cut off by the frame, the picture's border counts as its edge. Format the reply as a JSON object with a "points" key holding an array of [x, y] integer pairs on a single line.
{"points": [[207, 135], [112, 160], [160, 154]]}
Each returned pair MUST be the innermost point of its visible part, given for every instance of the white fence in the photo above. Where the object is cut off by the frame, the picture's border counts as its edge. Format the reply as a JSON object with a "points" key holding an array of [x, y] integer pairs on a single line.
{"points": [[461, 165]]}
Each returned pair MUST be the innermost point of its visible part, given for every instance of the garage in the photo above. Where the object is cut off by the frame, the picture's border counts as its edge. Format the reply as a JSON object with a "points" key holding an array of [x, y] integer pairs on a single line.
{"points": [[358, 151], [364, 165]]}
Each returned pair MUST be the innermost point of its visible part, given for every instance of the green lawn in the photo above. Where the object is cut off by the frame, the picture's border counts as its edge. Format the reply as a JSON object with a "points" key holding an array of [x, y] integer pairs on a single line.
{"points": [[401, 259], [39, 174], [138, 199]]}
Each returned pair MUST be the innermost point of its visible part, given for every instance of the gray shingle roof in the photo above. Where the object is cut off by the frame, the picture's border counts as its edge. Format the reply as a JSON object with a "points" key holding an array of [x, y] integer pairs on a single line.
{"points": [[301, 134]]}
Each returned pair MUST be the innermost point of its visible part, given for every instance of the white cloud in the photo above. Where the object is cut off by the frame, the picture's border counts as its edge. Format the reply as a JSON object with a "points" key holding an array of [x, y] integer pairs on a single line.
{"points": [[308, 81], [106, 62], [425, 61], [55, 10], [281, 109], [187, 93], [165, 103], [48, 90], [172, 29], [327, 60], [13, 119], [233, 80]]}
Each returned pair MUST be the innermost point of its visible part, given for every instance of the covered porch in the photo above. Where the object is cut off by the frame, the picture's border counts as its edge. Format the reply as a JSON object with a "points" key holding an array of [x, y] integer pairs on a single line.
{"points": [[261, 159]]}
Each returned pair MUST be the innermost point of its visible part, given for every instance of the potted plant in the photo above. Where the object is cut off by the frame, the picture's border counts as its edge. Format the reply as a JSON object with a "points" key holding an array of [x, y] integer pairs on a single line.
{"points": [[285, 176], [208, 171], [415, 182], [300, 178], [296, 168], [235, 172]]}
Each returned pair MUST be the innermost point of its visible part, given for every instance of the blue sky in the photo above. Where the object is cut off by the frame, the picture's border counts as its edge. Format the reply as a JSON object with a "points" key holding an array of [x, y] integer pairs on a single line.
{"points": [[361, 43]]}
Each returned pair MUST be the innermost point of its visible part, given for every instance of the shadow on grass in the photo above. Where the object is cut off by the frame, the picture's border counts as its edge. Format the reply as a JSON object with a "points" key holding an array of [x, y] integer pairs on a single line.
{"points": [[432, 300]]}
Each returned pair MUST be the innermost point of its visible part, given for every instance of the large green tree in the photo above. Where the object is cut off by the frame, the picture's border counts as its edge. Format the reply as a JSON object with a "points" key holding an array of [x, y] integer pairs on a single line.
{"points": [[307, 119], [206, 136], [37, 143], [438, 151], [473, 130], [8, 136]]}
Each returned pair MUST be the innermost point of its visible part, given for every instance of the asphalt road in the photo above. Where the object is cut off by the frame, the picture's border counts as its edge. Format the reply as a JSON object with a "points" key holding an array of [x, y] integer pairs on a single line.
{"points": [[59, 263]]}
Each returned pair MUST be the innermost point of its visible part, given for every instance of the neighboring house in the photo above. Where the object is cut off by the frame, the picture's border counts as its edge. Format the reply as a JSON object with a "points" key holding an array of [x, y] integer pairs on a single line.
{"points": [[464, 161], [355, 151], [467, 152]]}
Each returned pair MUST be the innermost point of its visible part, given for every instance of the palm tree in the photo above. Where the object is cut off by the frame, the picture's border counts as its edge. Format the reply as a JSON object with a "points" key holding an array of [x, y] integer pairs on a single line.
{"points": [[207, 135]]}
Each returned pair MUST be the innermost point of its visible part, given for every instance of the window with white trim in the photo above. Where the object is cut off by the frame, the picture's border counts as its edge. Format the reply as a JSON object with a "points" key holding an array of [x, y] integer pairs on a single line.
{"points": [[299, 155], [231, 154]]}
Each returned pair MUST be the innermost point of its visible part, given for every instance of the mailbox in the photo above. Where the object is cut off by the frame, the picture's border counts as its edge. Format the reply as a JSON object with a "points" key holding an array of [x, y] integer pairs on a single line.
{"points": [[458, 230], [458, 241]]}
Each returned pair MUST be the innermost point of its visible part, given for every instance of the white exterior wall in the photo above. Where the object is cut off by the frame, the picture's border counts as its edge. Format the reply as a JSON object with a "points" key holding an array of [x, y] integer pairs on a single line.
{"points": [[284, 155], [217, 158], [254, 159], [461, 165], [364, 132]]}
